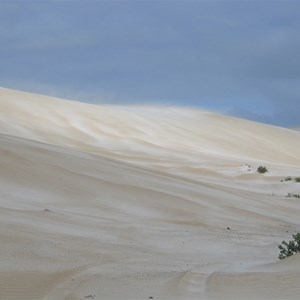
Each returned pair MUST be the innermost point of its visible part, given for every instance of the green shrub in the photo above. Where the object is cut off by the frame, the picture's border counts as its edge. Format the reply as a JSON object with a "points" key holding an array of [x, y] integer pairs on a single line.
{"points": [[297, 179], [262, 169], [289, 248], [293, 195]]}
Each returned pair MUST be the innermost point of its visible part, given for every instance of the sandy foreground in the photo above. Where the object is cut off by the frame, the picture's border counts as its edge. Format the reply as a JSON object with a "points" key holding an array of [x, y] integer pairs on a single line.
{"points": [[143, 202]]}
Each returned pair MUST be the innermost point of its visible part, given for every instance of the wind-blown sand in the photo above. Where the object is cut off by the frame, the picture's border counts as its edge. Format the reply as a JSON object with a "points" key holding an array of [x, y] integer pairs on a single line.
{"points": [[133, 202]]}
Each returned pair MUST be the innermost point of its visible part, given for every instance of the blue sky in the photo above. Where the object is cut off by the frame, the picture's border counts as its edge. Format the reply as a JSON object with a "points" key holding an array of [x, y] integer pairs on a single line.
{"points": [[239, 57]]}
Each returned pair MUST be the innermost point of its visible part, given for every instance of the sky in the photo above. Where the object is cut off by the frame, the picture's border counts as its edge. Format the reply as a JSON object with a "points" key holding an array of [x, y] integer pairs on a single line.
{"points": [[236, 57]]}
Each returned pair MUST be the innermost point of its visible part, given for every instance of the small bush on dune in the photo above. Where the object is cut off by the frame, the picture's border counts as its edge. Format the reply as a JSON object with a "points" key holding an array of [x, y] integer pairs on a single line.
{"points": [[289, 248], [293, 195], [262, 169], [297, 179], [289, 178]]}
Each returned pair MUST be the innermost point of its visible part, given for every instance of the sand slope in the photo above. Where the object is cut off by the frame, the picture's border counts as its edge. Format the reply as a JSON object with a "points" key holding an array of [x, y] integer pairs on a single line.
{"points": [[296, 128], [116, 202]]}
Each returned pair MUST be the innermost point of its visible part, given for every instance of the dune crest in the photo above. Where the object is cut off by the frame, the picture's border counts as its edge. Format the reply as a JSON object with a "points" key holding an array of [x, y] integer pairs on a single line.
{"points": [[129, 131], [143, 202]]}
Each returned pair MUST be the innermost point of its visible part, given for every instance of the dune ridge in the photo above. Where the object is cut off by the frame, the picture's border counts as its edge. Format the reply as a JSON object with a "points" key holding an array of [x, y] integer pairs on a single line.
{"points": [[130, 130], [134, 202], [296, 128]]}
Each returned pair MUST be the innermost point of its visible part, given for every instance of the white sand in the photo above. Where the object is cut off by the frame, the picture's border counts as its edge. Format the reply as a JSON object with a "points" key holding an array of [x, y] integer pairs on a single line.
{"points": [[132, 202]]}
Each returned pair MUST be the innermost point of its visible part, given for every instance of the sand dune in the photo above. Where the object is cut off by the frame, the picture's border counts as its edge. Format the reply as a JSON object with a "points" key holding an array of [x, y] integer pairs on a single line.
{"points": [[296, 128], [134, 202]]}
